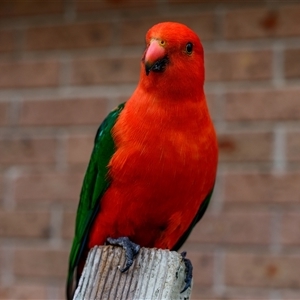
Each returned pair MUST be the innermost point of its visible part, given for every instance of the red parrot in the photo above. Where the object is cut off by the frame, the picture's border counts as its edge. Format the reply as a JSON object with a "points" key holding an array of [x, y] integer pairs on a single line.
{"points": [[153, 167]]}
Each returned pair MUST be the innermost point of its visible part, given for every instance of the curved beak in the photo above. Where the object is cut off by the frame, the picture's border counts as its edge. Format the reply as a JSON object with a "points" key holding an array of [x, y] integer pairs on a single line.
{"points": [[155, 57]]}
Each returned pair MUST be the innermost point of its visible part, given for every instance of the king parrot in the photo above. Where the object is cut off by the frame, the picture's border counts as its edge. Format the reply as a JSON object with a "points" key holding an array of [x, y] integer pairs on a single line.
{"points": [[153, 166]]}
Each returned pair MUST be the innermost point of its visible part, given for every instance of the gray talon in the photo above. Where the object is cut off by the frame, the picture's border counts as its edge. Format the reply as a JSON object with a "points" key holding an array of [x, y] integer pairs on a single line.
{"points": [[131, 250]]}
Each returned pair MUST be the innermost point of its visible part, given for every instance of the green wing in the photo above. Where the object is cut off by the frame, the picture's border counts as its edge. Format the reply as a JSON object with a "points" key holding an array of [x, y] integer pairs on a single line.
{"points": [[94, 185]]}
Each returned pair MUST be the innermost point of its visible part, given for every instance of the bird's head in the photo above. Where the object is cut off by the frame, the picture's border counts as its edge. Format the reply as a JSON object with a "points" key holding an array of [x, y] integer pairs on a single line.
{"points": [[173, 59]]}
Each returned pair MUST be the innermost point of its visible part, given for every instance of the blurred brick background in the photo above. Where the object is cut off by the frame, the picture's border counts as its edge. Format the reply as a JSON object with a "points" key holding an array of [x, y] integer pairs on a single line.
{"points": [[65, 64]]}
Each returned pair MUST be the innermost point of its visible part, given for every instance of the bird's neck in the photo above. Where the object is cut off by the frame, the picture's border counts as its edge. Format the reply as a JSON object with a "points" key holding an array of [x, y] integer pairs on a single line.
{"points": [[168, 108], [179, 90]]}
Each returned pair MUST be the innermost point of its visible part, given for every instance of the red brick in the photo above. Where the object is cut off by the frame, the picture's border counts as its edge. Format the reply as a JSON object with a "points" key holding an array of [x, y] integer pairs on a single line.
{"points": [[5, 293], [63, 112], [290, 294], [251, 23], [288, 20], [233, 228], [44, 188], [85, 35], [60, 291], [6, 40], [199, 293], [292, 63], [3, 251], [40, 262], [262, 188], [293, 145], [79, 148], [203, 266], [4, 111], [242, 65], [99, 5], [249, 269], [28, 291], [89, 71], [27, 150], [15, 8], [2, 187], [290, 228], [251, 295], [203, 24], [262, 105], [23, 292], [25, 224], [215, 2], [245, 146], [29, 74], [139, 27], [262, 22], [68, 227]]}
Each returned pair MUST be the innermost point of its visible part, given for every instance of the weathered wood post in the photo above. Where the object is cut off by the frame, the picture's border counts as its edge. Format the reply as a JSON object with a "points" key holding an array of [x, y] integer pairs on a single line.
{"points": [[155, 274]]}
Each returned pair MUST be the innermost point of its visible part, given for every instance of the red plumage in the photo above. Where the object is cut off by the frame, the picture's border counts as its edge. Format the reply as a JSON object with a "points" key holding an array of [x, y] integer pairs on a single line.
{"points": [[166, 153]]}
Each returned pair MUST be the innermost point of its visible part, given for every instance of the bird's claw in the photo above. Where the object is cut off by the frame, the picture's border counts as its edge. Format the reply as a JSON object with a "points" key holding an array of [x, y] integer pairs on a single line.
{"points": [[188, 272], [131, 250]]}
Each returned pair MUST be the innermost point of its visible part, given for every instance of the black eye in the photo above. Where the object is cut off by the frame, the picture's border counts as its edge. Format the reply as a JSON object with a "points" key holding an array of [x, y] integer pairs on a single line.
{"points": [[189, 48]]}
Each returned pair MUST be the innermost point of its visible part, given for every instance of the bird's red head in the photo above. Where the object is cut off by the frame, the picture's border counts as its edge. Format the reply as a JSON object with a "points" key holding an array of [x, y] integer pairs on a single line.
{"points": [[174, 54]]}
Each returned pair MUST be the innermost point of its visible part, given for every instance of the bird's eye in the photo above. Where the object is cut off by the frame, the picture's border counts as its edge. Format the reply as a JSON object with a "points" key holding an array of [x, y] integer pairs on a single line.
{"points": [[189, 48]]}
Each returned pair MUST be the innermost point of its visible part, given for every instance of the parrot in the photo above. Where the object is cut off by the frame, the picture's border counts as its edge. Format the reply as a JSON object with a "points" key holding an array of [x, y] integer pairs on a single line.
{"points": [[153, 166]]}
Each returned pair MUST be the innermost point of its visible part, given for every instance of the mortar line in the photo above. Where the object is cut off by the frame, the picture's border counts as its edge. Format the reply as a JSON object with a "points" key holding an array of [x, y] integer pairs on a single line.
{"points": [[218, 272], [10, 180], [279, 150]]}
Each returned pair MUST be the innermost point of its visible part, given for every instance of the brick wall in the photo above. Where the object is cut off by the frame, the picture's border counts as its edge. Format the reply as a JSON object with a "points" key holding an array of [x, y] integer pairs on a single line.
{"points": [[64, 65]]}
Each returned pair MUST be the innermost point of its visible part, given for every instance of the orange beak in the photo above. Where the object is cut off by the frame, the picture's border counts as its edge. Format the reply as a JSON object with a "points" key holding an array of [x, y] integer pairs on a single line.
{"points": [[155, 57]]}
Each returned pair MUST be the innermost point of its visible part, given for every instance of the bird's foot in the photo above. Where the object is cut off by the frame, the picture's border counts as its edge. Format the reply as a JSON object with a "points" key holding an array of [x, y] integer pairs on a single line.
{"points": [[188, 272], [131, 250]]}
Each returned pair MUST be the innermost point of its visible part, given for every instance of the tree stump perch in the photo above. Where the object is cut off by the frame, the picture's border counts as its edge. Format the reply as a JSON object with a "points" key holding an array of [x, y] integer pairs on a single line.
{"points": [[155, 274]]}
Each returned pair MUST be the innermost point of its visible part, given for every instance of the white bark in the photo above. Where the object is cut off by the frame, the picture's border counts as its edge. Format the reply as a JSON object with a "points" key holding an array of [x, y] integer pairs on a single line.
{"points": [[155, 274]]}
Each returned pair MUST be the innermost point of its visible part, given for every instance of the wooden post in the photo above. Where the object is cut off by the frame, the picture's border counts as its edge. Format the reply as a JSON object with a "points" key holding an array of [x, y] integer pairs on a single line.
{"points": [[155, 274]]}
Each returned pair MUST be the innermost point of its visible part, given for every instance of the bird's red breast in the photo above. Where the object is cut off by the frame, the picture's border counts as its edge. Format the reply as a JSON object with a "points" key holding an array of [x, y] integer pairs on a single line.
{"points": [[162, 170]]}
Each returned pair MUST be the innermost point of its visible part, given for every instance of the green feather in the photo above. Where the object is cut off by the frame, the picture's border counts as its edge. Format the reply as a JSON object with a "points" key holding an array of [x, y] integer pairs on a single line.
{"points": [[94, 185]]}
